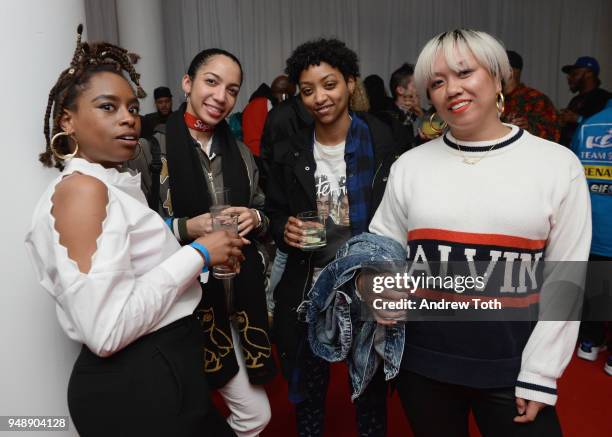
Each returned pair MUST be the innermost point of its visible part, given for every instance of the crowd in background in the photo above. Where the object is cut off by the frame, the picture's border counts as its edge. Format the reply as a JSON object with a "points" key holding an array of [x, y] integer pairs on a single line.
{"points": [[145, 278]]}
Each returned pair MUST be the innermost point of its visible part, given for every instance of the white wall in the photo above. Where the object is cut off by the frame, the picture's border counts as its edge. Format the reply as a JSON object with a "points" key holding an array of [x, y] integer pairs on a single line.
{"points": [[36, 42], [140, 28]]}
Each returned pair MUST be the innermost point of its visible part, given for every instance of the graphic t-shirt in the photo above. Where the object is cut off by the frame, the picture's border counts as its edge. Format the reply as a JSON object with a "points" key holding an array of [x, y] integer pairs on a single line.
{"points": [[332, 199]]}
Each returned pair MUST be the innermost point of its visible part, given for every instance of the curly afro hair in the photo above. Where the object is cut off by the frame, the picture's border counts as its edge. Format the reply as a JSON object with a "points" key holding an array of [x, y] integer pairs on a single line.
{"points": [[331, 51]]}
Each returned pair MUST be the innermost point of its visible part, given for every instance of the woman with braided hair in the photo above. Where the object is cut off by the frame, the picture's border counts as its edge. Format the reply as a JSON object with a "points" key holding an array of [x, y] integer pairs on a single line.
{"points": [[123, 286]]}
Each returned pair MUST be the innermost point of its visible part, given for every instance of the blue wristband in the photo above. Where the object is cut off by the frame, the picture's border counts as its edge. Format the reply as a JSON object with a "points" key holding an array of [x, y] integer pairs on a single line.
{"points": [[200, 248], [168, 222]]}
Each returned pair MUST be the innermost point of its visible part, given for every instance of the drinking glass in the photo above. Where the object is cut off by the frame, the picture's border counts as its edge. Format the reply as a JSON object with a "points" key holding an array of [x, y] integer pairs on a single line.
{"points": [[221, 196], [227, 222], [314, 228]]}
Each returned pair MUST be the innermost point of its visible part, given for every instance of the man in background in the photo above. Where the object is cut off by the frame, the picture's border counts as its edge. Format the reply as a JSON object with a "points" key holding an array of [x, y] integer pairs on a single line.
{"points": [[163, 104], [407, 109], [256, 111], [582, 78], [592, 143], [527, 107], [402, 113]]}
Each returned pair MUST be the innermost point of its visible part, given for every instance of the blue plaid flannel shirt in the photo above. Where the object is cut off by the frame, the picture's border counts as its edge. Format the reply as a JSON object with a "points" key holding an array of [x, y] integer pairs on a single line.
{"points": [[359, 157]]}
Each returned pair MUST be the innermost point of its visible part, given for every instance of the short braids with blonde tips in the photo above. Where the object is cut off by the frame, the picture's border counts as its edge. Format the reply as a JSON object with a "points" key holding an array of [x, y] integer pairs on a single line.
{"points": [[87, 60]]}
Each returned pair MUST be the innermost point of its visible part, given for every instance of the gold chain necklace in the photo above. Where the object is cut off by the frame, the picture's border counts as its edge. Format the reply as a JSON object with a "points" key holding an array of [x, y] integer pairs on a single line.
{"points": [[473, 161]]}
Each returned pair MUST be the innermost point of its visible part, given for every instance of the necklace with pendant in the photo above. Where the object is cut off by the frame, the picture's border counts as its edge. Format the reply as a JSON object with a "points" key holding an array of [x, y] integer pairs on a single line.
{"points": [[473, 161], [484, 150]]}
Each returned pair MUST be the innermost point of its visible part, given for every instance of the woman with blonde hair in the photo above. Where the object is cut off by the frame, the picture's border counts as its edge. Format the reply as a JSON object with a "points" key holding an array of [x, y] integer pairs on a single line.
{"points": [[500, 192]]}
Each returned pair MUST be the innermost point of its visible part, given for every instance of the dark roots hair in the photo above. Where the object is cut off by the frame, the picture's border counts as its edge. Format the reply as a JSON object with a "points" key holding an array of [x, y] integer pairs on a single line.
{"points": [[87, 60], [331, 51]]}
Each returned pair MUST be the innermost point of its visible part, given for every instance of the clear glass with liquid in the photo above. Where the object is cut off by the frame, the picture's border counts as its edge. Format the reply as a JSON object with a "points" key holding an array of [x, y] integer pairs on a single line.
{"points": [[227, 222], [314, 229]]}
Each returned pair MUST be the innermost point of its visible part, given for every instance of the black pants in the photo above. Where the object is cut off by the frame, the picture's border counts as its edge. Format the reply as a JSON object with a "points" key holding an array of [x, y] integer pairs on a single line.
{"points": [[596, 332], [155, 387], [437, 409], [371, 406]]}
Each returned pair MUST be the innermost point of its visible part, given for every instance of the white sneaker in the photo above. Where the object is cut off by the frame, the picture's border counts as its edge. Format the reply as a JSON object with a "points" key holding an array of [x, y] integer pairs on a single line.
{"points": [[587, 351], [608, 365]]}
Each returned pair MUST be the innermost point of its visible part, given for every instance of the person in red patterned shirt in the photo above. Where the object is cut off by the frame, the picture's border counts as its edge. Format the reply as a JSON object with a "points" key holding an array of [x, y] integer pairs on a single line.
{"points": [[527, 107]]}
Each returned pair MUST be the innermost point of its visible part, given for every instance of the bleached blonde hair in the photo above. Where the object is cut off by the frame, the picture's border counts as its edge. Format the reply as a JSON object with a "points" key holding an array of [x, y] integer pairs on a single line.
{"points": [[488, 52]]}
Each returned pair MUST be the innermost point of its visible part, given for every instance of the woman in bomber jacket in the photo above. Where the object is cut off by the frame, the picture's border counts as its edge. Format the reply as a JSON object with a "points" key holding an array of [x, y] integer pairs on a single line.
{"points": [[199, 155]]}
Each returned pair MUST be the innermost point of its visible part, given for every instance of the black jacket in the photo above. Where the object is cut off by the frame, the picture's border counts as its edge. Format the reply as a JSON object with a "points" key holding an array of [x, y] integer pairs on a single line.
{"points": [[291, 189], [283, 121], [401, 127]]}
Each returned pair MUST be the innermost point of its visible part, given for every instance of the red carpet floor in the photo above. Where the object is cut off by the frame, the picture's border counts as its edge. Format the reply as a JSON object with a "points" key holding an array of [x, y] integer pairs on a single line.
{"points": [[584, 408]]}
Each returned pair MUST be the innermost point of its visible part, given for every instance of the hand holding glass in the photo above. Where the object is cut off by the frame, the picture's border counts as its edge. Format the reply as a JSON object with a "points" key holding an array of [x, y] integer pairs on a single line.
{"points": [[227, 222], [313, 225]]}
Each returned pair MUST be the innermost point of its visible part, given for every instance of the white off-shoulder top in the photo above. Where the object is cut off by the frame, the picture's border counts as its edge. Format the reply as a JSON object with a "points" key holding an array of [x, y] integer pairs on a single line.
{"points": [[140, 279]]}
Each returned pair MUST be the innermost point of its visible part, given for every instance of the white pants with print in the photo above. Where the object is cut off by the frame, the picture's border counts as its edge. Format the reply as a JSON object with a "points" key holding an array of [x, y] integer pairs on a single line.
{"points": [[248, 404]]}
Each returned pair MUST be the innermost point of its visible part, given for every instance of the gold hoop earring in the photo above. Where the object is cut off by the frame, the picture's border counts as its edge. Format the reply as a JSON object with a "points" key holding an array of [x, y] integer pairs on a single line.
{"points": [[59, 155], [434, 123], [500, 102]]}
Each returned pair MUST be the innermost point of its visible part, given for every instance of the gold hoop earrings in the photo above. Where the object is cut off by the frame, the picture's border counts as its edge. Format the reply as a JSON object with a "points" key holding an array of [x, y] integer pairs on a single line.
{"points": [[59, 155], [437, 126], [500, 103]]}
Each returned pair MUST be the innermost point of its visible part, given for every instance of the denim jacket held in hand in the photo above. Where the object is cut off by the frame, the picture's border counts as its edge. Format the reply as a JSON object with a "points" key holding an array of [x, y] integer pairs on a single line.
{"points": [[335, 329]]}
